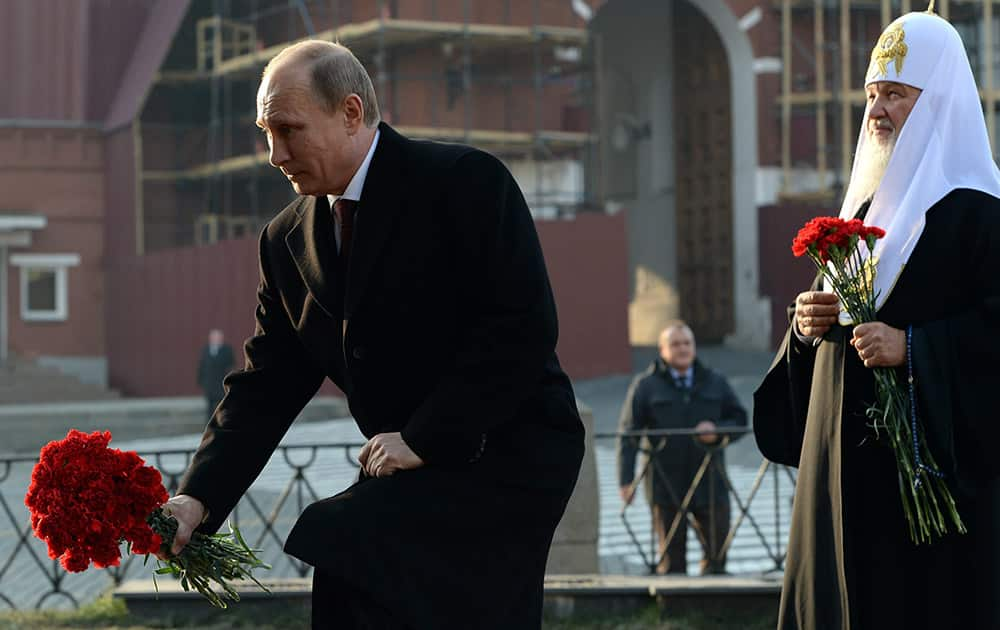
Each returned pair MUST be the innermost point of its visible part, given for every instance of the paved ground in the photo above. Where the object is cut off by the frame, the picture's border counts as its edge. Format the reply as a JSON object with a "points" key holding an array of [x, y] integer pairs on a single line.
{"points": [[26, 574]]}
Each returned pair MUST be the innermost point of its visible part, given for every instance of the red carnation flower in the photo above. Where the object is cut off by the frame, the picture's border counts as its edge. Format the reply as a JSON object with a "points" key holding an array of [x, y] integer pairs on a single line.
{"points": [[86, 499]]}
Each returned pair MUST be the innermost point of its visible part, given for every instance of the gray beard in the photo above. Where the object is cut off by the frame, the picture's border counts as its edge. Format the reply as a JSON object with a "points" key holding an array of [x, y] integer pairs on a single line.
{"points": [[871, 165]]}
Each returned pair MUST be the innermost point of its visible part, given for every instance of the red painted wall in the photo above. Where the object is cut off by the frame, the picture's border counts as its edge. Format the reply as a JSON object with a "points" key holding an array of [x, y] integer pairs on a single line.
{"points": [[587, 259], [165, 303], [57, 173]]}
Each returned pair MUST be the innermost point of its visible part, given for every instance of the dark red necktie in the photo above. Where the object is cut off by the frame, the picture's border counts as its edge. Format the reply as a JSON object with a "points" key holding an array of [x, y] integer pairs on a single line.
{"points": [[344, 209]]}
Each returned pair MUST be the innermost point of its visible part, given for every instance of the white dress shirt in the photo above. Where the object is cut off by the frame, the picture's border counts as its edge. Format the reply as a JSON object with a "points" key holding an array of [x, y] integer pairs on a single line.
{"points": [[353, 190]]}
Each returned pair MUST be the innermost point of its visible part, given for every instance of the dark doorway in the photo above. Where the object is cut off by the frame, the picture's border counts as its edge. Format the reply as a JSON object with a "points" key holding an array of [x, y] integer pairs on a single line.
{"points": [[704, 158]]}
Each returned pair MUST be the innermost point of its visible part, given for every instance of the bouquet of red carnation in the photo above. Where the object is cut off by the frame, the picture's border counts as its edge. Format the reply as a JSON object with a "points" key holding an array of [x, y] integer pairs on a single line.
{"points": [[834, 245], [86, 499]]}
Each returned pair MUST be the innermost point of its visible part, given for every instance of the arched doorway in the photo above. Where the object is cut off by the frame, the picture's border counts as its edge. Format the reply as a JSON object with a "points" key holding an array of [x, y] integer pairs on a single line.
{"points": [[682, 162]]}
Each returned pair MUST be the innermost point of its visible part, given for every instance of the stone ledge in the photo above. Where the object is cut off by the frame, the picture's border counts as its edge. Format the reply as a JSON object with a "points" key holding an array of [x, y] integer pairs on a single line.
{"points": [[565, 595], [592, 585], [666, 585]]}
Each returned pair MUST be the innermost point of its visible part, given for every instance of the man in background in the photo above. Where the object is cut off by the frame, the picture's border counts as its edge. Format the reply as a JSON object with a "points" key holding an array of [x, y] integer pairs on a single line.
{"points": [[216, 361], [679, 392]]}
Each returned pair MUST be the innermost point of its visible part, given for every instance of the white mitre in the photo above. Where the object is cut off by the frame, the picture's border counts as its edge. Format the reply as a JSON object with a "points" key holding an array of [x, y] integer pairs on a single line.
{"points": [[943, 144]]}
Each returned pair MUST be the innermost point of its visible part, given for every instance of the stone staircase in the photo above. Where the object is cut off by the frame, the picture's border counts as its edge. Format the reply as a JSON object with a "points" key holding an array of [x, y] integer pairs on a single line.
{"points": [[23, 381]]}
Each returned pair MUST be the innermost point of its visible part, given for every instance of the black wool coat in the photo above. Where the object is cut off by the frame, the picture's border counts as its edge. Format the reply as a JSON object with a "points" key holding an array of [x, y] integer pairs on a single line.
{"points": [[443, 328], [655, 402], [850, 561]]}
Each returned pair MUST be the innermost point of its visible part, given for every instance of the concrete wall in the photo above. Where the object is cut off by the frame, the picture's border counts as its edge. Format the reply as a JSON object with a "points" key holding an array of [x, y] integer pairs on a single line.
{"points": [[635, 83], [574, 545]]}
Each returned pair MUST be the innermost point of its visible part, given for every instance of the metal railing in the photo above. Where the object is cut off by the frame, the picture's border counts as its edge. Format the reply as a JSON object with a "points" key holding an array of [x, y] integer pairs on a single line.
{"points": [[29, 579], [651, 443], [299, 474]]}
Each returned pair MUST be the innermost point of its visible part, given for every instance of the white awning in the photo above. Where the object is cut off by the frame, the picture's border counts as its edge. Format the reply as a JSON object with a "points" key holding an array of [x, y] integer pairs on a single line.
{"points": [[13, 222]]}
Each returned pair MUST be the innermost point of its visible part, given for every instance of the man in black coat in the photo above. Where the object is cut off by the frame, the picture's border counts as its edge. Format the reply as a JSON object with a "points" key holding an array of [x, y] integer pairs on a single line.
{"points": [[216, 361], [679, 392], [430, 253]]}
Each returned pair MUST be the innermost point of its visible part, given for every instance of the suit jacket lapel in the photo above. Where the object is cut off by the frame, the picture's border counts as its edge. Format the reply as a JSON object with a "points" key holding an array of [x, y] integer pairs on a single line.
{"points": [[381, 202], [314, 249]]}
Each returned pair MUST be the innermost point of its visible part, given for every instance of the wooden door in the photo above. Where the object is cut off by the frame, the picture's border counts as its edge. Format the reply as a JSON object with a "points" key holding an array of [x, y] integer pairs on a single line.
{"points": [[704, 158]]}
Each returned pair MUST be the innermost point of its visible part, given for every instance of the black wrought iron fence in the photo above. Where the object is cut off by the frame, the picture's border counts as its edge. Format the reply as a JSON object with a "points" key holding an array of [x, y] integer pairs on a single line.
{"points": [[768, 539], [299, 474], [296, 476]]}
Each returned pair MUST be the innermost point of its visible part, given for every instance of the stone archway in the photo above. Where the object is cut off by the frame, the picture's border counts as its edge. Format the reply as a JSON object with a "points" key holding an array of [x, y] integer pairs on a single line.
{"points": [[644, 49]]}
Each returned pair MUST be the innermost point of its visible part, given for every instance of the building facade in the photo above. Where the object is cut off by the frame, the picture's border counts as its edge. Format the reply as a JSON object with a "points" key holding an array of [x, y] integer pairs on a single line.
{"points": [[668, 149]]}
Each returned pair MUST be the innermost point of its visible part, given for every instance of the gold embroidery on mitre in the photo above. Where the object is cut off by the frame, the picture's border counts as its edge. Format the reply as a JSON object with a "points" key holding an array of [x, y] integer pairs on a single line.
{"points": [[890, 47], [869, 270]]}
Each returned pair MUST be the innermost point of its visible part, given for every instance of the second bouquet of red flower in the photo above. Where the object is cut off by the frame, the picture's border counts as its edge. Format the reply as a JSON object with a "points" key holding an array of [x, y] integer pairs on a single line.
{"points": [[835, 246], [86, 499]]}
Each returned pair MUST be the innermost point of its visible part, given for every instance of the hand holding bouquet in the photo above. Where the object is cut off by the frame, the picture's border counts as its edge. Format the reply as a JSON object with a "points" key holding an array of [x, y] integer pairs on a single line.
{"points": [[834, 245], [86, 499]]}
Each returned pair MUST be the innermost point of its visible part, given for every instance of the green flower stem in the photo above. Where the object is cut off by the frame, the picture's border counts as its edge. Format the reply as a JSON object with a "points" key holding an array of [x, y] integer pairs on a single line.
{"points": [[929, 508], [219, 558]]}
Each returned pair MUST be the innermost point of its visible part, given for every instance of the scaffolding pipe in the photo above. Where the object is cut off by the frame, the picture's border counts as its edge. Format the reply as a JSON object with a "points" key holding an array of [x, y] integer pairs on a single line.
{"points": [[845, 90], [819, 45], [138, 187], [537, 53], [381, 72], [467, 69], [786, 92], [254, 186]]}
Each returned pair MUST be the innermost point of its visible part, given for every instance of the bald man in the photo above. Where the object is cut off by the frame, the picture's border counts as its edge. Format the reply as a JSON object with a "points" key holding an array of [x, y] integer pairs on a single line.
{"points": [[679, 392], [396, 248]]}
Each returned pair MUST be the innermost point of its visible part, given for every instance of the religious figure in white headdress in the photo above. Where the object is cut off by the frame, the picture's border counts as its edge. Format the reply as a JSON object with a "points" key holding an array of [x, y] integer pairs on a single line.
{"points": [[924, 172]]}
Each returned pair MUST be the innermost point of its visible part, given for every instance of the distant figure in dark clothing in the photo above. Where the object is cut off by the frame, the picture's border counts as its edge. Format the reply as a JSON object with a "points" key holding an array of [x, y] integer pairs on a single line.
{"points": [[216, 361], [678, 392]]}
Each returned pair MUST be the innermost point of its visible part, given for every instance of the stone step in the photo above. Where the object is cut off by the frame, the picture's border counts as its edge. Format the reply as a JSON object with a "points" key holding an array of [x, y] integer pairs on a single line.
{"points": [[23, 381], [566, 596]]}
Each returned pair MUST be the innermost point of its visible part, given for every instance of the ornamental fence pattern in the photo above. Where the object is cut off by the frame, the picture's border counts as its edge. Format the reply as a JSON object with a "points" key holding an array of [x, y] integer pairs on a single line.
{"points": [[300, 473]]}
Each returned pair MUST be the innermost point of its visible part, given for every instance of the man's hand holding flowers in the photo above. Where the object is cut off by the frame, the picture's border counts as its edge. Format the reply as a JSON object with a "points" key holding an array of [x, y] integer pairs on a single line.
{"points": [[189, 513], [816, 312]]}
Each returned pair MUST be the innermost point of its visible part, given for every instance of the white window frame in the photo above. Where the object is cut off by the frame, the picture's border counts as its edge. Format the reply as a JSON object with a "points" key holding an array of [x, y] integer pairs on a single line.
{"points": [[57, 263]]}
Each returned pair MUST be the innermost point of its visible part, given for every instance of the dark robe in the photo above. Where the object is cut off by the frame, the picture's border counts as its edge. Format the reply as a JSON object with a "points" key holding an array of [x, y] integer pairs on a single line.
{"points": [[851, 563]]}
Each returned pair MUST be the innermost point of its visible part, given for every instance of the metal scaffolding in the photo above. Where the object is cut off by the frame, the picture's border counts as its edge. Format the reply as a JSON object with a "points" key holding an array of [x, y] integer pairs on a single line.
{"points": [[822, 66], [508, 76]]}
